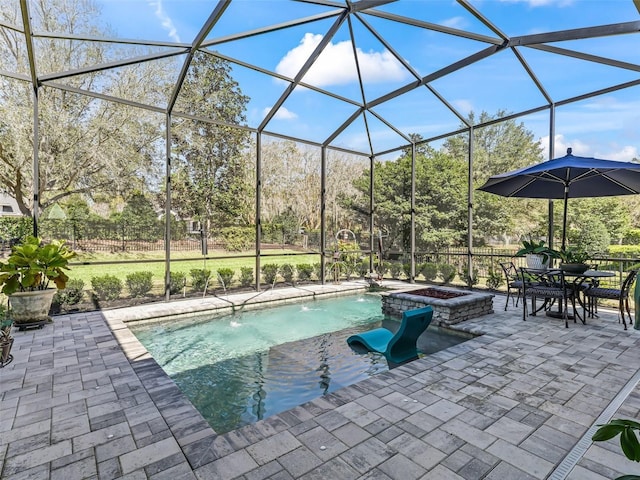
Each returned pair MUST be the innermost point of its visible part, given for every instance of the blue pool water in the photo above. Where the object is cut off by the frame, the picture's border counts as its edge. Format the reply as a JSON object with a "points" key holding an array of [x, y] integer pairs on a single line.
{"points": [[246, 366]]}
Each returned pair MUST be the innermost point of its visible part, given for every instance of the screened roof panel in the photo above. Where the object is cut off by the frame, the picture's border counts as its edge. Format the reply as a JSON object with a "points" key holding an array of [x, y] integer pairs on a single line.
{"points": [[625, 48], [430, 117], [464, 48], [10, 13], [524, 17], [276, 51], [123, 82], [14, 60], [263, 91], [264, 14], [299, 114], [565, 77], [482, 86], [355, 137], [425, 50], [444, 13]]}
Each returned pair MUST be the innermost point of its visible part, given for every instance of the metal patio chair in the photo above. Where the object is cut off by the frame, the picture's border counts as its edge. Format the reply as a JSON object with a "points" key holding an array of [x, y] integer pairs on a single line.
{"points": [[620, 294], [514, 282]]}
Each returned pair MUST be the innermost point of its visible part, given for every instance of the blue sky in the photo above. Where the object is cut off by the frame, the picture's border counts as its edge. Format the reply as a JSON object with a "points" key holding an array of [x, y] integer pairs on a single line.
{"points": [[605, 126]]}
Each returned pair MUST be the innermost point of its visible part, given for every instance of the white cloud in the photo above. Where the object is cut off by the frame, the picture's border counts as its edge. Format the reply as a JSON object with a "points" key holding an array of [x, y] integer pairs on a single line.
{"points": [[281, 114], [624, 154], [455, 22], [335, 66], [610, 152], [463, 106], [542, 3], [165, 19]]}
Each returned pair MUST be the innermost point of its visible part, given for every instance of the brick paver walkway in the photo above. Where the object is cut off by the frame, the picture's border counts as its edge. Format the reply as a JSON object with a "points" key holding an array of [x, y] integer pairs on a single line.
{"points": [[83, 399]]}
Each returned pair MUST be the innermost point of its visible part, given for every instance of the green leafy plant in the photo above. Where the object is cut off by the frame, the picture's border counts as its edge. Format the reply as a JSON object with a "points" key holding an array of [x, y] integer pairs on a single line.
{"points": [[32, 265], [628, 440], [396, 269], [225, 275], [139, 283], [305, 270], [316, 269], [363, 267], [447, 272], [406, 268], [72, 294], [494, 279], [429, 271], [246, 276], [177, 282], [269, 272], [572, 255], [200, 278], [288, 272], [470, 279], [106, 287], [536, 248]]}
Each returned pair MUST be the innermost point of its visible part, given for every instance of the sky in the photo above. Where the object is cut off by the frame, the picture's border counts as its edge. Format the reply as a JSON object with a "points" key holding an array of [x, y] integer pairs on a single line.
{"points": [[606, 126]]}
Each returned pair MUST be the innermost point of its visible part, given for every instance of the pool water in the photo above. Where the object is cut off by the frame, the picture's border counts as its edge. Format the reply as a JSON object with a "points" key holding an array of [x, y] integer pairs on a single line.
{"points": [[247, 366]]}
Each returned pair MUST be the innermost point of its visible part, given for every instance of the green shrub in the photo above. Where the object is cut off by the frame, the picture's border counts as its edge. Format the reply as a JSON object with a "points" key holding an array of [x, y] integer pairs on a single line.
{"points": [[139, 283], [246, 276], [177, 282], [472, 279], [447, 272], [494, 279], [225, 276], [71, 294], [429, 271], [383, 268], [269, 273], [316, 269], [350, 268], [288, 272], [200, 278], [106, 287], [396, 269], [406, 268], [305, 270], [363, 267]]}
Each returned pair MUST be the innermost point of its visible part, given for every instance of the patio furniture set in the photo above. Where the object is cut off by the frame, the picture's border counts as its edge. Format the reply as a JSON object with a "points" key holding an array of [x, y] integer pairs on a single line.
{"points": [[559, 289]]}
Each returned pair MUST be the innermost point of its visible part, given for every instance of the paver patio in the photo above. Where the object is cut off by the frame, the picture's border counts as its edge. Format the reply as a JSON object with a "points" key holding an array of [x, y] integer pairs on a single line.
{"points": [[83, 399]]}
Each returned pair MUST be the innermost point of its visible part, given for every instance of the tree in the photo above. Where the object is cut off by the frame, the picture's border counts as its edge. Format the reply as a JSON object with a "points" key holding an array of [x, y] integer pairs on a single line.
{"points": [[85, 145], [139, 218], [211, 178], [499, 148], [440, 200]]}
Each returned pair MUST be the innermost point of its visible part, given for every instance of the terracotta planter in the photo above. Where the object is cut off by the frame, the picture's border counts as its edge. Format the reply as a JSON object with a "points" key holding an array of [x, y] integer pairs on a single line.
{"points": [[31, 307]]}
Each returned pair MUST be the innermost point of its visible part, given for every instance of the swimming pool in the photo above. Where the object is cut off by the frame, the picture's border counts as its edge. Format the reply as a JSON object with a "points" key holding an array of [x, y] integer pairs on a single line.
{"points": [[243, 367]]}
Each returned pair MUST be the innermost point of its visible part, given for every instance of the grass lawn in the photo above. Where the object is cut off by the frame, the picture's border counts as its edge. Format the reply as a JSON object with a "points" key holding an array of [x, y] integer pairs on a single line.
{"points": [[87, 266]]}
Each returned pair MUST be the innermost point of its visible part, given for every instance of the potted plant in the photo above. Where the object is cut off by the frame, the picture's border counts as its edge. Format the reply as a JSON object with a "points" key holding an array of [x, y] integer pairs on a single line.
{"points": [[628, 439], [573, 259], [6, 340], [25, 277], [536, 253]]}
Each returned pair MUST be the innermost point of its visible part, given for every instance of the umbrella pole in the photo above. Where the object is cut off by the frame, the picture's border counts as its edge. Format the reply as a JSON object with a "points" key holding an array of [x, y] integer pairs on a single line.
{"points": [[564, 217]]}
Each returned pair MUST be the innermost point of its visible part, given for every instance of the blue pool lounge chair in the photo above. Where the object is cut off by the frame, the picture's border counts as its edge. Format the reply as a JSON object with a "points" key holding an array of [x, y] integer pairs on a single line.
{"points": [[401, 347]]}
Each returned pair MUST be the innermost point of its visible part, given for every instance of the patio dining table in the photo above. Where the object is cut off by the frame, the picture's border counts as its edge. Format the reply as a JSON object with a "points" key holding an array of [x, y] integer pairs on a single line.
{"points": [[579, 280]]}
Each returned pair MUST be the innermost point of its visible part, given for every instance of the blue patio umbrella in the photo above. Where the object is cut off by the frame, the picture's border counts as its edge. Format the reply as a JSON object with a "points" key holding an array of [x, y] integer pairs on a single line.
{"points": [[567, 177]]}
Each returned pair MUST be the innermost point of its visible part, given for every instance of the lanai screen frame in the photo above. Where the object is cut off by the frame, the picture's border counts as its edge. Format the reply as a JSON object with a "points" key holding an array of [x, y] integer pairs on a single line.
{"points": [[343, 13]]}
